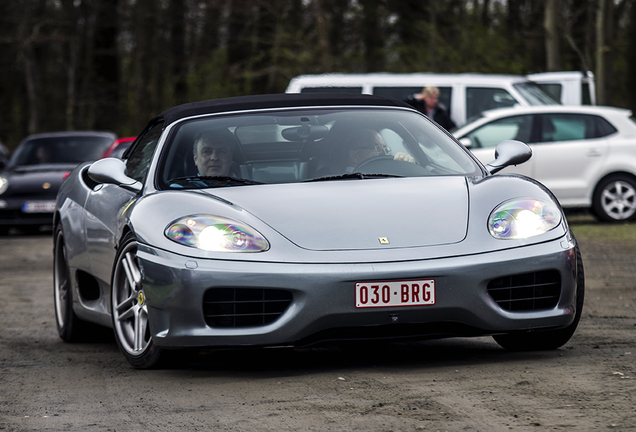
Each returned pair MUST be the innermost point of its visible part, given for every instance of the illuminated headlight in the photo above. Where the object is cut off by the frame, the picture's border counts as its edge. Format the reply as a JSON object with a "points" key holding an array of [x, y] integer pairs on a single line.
{"points": [[523, 218], [4, 184], [215, 233]]}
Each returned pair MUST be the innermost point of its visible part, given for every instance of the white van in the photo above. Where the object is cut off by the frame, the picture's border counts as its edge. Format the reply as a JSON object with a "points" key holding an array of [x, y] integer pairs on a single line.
{"points": [[463, 95], [569, 88]]}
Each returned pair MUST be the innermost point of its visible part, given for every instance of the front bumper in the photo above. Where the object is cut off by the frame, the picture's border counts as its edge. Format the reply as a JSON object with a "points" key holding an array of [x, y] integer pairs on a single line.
{"points": [[323, 297], [14, 212]]}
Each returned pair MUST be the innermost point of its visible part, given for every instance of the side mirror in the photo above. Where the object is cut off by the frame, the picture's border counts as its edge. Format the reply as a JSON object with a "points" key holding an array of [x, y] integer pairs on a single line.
{"points": [[466, 142], [113, 171], [509, 152]]}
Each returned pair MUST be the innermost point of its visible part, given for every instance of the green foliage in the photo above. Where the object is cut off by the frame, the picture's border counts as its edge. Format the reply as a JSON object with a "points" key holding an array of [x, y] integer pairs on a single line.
{"points": [[114, 64], [585, 226]]}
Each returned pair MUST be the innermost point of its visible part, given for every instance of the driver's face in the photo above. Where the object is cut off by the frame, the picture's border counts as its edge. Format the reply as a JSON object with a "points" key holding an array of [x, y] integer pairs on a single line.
{"points": [[213, 159]]}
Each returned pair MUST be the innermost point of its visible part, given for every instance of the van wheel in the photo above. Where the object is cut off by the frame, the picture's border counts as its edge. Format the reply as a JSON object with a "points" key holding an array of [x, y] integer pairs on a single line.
{"points": [[615, 199]]}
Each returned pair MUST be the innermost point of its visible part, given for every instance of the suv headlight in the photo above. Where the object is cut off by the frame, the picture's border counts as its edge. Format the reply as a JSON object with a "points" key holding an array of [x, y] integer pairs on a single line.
{"points": [[216, 233], [523, 218]]}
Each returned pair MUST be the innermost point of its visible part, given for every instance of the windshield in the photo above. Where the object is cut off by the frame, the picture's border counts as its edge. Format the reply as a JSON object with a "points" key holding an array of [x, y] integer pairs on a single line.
{"points": [[532, 93], [60, 150], [297, 145]]}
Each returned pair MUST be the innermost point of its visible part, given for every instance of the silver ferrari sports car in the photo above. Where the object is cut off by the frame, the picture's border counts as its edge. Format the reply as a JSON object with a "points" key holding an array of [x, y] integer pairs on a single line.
{"points": [[293, 219]]}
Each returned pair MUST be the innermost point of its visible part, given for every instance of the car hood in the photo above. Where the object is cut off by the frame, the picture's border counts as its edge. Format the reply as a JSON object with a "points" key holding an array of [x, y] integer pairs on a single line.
{"points": [[360, 214], [36, 179]]}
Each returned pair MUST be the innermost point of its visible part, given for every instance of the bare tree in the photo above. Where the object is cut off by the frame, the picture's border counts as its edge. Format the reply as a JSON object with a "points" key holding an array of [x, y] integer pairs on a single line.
{"points": [[550, 24]]}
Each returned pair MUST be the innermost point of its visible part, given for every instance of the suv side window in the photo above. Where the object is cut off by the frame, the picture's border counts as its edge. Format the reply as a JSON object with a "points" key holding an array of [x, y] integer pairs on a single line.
{"points": [[508, 128], [479, 99], [140, 156], [570, 127]]}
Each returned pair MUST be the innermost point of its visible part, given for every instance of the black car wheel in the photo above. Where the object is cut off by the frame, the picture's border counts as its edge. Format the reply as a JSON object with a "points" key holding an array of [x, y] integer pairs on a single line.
{"points": [[549, 339], [130, 310], [615, 199], [69, 327]]}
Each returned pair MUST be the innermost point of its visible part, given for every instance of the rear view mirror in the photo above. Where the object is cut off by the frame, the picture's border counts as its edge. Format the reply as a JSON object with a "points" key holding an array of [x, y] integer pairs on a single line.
{"points": [[113, 171], [305, 133]]}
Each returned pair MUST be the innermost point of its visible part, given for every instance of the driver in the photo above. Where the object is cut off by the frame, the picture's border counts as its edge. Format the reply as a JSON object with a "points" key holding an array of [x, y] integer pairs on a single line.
{"points": [[213, 152], [367, 144]]}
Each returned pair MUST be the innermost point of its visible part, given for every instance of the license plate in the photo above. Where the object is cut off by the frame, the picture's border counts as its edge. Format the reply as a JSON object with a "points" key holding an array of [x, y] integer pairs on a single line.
{"points": [[38, 207], [395, 293]]}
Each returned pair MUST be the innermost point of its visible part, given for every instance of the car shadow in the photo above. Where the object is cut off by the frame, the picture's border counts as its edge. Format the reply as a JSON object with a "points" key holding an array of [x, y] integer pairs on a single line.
{"points": [[263, 363]]}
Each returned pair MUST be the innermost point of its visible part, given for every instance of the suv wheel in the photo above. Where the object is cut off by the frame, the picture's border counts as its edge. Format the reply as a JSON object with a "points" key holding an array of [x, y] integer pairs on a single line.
{"points": [[615, 199]]}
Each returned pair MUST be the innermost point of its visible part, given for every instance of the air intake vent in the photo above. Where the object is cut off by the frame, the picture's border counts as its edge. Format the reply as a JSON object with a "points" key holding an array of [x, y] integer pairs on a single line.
{"points": [[527, 292], [244, 307], [89, 181]]}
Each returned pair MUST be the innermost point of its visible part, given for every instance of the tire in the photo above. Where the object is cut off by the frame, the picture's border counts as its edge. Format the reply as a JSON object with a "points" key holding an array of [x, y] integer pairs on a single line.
{"points": [[129, 309], [614, 199], [542, 340], [69, 327]]}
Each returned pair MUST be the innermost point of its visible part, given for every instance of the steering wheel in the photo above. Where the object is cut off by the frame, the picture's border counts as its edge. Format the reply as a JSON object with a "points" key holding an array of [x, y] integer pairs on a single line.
{"points": [[371, 161]]}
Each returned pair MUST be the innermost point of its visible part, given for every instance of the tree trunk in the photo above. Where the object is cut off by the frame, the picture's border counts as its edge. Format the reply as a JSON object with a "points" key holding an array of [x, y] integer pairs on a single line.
{"points": [[600, 54], [323, 36], [552, 51], [31, 85]]}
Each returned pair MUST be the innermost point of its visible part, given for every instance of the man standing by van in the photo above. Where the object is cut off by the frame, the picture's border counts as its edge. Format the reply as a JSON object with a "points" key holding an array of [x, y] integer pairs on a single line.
{"points": [[427, 103]]}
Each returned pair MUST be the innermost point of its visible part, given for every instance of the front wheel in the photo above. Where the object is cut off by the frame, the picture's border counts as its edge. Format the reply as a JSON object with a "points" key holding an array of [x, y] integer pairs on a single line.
{"points": [[549, 339], [130, 310], [614, 199]]}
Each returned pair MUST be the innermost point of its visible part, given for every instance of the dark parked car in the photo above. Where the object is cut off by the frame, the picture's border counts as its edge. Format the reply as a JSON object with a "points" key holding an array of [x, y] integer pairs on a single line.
{"points": [[292, 219], [37, 168]]}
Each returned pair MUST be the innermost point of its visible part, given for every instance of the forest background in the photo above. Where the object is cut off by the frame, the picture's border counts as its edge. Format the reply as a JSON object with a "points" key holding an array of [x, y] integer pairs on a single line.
{"points": [[114, 64]]}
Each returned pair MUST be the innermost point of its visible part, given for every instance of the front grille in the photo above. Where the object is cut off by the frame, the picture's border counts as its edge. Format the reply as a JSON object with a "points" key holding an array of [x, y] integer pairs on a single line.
{"points": [[244, 307], [527, 292]]}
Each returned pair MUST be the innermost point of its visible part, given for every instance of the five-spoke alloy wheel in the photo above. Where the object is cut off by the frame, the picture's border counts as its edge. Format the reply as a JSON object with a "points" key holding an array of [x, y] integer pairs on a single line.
{"points": [[129, 308]]}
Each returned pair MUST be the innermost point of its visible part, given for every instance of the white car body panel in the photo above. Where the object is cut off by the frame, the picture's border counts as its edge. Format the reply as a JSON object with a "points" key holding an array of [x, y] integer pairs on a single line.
{"points": [[570, 169]]}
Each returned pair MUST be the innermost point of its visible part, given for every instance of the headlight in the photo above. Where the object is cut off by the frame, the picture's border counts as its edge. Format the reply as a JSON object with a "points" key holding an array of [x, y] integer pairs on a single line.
{"points": [[215, 233], [4, 184], [523, 218]]}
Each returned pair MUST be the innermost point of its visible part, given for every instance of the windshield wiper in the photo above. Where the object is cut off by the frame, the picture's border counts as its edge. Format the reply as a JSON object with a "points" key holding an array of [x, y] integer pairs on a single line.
{"points": [[352, 176], [210, 181]]}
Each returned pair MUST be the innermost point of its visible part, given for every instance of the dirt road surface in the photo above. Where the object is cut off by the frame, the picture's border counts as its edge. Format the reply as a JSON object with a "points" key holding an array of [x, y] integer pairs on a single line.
{"points": [[448, 385]]}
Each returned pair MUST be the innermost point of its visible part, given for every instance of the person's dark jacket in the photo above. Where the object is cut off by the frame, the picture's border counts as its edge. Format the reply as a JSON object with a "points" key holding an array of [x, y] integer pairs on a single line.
{"points": [[440, 115]]}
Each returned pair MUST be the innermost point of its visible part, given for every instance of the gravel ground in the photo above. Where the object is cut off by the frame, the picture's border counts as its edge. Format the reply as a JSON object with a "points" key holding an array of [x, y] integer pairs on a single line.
{"points": [[446, 385]]}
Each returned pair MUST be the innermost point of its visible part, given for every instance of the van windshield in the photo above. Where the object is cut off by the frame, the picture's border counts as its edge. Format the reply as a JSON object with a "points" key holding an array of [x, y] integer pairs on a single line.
{"points": [[532, 93]]}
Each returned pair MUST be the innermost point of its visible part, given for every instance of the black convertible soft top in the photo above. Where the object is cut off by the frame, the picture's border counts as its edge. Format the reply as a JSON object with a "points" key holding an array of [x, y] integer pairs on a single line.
{"points": [[281, 100]]}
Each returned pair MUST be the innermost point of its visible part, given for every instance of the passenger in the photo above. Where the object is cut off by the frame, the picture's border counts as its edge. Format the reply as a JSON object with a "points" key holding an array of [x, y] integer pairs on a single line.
{"points": [[213, 152], [367, 144]]}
